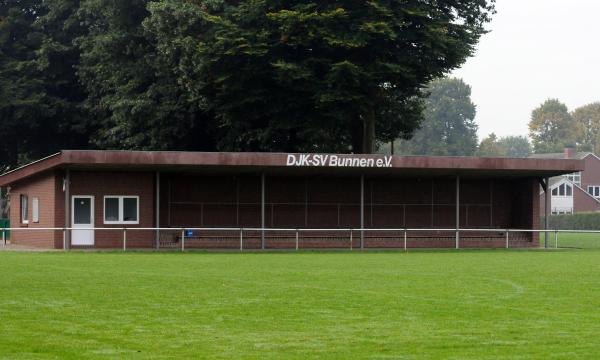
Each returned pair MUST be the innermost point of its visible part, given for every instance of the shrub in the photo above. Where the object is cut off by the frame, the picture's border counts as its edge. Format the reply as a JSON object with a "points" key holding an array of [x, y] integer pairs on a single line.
{"points": [[579, 221]]}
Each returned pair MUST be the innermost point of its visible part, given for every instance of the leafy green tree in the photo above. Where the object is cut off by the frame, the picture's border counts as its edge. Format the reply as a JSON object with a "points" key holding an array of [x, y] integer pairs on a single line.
{"points": [[551, 127], [22, 104], [515, 146], [40, 98], [132, 85], [508, 146], [491, 147], [321, 75], [448, 127], [587, 119]]}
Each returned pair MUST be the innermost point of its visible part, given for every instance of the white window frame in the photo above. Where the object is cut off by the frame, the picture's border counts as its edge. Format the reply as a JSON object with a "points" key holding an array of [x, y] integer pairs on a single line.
{"points": [[24, 209], [595, 190], [121, 198], [574, 177], [35, 210], [563, 187]]}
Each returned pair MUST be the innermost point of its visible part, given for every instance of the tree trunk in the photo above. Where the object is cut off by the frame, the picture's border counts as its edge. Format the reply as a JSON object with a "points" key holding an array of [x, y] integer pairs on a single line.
{"points": [[369, 132]]}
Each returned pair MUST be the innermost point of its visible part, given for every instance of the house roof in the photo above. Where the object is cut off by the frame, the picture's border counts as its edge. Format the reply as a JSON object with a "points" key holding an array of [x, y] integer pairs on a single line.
{"points": [[282, 163], [561, 155]]}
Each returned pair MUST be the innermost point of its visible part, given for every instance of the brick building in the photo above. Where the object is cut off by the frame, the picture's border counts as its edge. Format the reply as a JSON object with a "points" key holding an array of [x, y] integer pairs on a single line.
{"points": [[575, 192], [451, 197]]}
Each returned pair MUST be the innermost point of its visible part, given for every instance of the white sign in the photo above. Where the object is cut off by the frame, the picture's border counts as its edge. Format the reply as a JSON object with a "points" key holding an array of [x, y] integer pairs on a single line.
{"points": [[338, 161]]}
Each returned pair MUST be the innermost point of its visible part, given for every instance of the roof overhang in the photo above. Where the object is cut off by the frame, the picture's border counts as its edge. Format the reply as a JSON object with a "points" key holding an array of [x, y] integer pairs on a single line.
{"points": [[294, 164]]}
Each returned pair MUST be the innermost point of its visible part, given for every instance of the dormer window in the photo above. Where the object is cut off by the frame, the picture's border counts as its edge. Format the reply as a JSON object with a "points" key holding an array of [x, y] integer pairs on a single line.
{"points": [[563, 190]]}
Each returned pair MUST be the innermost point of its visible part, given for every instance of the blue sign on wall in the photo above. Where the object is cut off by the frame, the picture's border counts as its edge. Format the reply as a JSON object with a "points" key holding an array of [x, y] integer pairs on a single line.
{"points": [[189, 233]]}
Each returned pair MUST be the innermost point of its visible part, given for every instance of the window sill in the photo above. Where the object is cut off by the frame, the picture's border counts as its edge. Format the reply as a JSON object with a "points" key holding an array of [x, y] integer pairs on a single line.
{"points": [[121, 223]]}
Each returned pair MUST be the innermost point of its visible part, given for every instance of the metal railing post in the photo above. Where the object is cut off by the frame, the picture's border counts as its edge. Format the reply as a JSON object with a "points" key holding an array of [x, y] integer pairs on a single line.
{"points": [[183, 240], [362, 239], [4, 236], [296, 239], [556, 238], [507, 238], [351, 239], [124, 239], [405, 231], [64, 239], [241, 239]]}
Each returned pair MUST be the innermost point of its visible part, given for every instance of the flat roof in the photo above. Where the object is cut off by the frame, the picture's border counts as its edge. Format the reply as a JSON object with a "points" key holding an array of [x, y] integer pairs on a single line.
{"points": [[294, 163]]}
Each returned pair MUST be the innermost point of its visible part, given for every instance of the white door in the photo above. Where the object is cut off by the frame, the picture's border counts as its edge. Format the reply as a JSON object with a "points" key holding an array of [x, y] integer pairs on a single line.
{"points": [[82, 216]]}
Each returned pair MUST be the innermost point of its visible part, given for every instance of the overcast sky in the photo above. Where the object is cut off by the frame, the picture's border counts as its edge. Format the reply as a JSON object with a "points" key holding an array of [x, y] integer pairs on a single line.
{"points": [[537, 49]]}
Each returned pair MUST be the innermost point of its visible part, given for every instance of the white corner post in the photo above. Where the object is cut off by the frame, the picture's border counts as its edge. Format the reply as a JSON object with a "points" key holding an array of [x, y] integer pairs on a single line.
{"points": [[67, 190], [546, 211], [262, 211], [457, 211], [362, 212], [157, 211]]}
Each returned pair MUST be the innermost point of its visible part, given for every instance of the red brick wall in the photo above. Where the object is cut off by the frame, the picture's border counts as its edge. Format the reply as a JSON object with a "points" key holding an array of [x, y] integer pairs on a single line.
{"points": [[45, 187], [100, 184], [583, 202], [229, 201], [591, 175]]}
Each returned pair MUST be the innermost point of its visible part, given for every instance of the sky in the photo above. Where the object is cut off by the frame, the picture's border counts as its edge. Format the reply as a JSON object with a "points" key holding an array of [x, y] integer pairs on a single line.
{"points": [[537, 49]]}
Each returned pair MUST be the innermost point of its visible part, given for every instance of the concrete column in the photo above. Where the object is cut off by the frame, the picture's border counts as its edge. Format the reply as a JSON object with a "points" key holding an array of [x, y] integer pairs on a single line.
{"points": [[546, 210], [262, 210], [67, 208], [157, 213], [457, 210], [362, 211]]}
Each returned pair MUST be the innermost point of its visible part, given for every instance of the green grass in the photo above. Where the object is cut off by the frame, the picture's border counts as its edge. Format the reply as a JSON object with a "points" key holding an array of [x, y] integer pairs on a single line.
{"points": [[388, 305], [573, 240]]}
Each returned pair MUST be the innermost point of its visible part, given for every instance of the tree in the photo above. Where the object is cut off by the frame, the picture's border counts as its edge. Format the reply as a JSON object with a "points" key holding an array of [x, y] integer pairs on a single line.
{"points": [[551, 127], [490, 147], [133, 84], [587, 119], [508, 146], [320, 75], [515, 146], [22, 103], [448, 127], [40, 97]]}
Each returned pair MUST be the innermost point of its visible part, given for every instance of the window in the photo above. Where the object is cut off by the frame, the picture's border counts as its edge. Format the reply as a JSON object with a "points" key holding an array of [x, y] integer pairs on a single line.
{"points": [[35, 210], [594, 190], [121, 209], [575, 178], [24, 209], [563, 190]]}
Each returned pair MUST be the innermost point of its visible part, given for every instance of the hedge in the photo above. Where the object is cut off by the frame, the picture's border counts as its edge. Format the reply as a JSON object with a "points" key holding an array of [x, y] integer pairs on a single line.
{"points": [[579, 221]]}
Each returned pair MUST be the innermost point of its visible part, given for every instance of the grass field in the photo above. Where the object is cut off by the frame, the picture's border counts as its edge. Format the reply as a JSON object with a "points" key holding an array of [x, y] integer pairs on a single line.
{"points": [[388, 305], [574, 240]]}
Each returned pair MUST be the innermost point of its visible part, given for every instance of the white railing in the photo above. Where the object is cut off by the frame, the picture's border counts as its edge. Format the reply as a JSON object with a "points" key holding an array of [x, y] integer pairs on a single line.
{"points": [[296, 232]]}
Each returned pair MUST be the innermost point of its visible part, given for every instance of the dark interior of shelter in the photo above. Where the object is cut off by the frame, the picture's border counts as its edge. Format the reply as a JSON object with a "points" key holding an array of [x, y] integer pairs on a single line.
{"points": [[334, 202]]}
